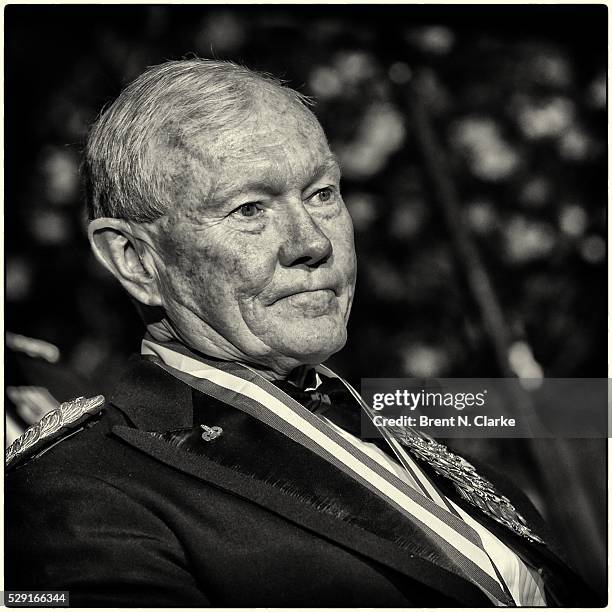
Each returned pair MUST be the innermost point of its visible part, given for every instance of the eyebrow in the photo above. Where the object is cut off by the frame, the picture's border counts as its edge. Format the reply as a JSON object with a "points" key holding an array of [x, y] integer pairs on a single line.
{"points": [[329, 164]]}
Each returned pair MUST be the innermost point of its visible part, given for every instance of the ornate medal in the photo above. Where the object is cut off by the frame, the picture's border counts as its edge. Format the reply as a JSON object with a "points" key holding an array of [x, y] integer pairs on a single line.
{"points": [[472, 487]]}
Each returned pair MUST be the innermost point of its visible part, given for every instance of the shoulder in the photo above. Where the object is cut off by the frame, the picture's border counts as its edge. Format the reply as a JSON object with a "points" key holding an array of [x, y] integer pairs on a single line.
{"points": [[58, 467], [76, 438], [76, 478], [79, 427]]}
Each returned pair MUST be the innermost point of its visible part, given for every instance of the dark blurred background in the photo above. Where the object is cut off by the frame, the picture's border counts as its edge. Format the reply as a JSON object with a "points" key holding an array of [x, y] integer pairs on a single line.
{"points": [[473, 146]]}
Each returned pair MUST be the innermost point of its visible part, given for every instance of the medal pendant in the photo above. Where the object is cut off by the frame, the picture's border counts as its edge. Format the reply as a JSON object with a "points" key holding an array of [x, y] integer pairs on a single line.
{"points": [[472, 487]]}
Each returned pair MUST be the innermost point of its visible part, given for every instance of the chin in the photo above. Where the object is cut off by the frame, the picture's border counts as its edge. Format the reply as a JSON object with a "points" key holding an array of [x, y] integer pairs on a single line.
{"points": [[314, 344]]}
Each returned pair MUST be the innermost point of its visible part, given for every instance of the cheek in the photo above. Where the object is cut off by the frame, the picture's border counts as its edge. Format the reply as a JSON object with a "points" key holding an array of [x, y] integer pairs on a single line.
{"points": [[193, 276], [218, 276]]}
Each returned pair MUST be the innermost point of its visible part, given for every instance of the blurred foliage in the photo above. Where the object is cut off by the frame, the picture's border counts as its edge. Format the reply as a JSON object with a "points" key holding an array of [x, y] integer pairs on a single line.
{"points": [[516, 94]]}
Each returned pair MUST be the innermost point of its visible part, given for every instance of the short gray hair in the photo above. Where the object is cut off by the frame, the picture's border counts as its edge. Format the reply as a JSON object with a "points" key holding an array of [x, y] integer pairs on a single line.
{"points": [[165, 105]]}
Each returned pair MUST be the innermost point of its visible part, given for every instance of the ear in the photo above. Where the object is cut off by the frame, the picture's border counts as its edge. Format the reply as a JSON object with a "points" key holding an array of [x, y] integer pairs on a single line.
{"points": [[115, 247]]}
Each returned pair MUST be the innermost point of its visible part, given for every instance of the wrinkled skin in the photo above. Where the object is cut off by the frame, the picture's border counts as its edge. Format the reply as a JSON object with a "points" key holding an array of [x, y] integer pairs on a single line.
{"points": [[255, 261]]}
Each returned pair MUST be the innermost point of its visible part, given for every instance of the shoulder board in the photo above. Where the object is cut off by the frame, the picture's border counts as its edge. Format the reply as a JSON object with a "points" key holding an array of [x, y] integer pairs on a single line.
{"points": [[68, 416]]}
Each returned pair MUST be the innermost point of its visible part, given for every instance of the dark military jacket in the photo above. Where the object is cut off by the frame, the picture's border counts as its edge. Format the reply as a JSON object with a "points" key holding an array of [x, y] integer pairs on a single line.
{"points": [[132, 510]]}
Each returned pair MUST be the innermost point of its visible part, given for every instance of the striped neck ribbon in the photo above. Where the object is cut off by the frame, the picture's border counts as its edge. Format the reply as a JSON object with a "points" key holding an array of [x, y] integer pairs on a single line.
{"points": [[241, 387]]}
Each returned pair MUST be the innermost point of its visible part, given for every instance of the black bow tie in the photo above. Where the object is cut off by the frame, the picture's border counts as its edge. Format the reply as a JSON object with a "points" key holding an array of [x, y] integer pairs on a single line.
{"points": [[330, 399]]}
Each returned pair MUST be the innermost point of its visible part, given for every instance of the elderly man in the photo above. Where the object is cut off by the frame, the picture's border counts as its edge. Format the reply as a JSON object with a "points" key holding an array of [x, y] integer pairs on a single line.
{"points": [[226, 468]]}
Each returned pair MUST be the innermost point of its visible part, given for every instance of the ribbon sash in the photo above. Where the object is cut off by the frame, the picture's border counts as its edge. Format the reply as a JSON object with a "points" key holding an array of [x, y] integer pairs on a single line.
{"points": [[244, 389]]}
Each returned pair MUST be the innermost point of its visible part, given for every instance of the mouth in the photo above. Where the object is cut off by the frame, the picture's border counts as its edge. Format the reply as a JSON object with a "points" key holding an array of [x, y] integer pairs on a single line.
{"points": [[313, 295], [314, 302], [308, 295]]}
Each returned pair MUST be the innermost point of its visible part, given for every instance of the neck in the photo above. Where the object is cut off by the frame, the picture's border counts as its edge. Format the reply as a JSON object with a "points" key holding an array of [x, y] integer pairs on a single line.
{"points": [[163, 332]]}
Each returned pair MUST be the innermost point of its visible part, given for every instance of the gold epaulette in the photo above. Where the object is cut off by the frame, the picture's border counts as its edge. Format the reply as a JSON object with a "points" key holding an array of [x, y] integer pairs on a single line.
{"points": [[68, 416]]}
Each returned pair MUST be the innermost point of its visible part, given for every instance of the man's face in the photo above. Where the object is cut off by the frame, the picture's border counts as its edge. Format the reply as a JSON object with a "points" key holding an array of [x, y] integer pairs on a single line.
{"points": [[257, 256]]}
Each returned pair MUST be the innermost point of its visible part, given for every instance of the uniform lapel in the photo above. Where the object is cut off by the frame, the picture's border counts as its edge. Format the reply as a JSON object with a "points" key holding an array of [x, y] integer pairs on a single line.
{"points": [[257, 463]]}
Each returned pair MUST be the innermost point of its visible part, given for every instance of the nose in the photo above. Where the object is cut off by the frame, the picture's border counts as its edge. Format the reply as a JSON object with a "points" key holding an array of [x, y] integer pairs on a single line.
{"points": [[304, 241]]}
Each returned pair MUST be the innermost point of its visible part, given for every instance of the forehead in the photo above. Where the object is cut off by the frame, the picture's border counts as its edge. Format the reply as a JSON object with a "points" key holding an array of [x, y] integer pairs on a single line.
{"points": [[280, 144]]}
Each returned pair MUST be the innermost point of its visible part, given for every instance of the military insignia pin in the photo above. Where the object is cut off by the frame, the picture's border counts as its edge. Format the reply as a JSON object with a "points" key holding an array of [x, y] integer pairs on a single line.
{"points": [[210, 433]]}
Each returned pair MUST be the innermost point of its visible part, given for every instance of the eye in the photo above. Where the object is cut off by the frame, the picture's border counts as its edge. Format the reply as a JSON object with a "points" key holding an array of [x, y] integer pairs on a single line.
{"points": [[324, 195], [251, 209]]}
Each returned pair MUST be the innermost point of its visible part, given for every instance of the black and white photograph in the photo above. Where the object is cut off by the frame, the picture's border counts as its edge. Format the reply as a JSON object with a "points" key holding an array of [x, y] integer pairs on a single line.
{"points": [[305, 305]]}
